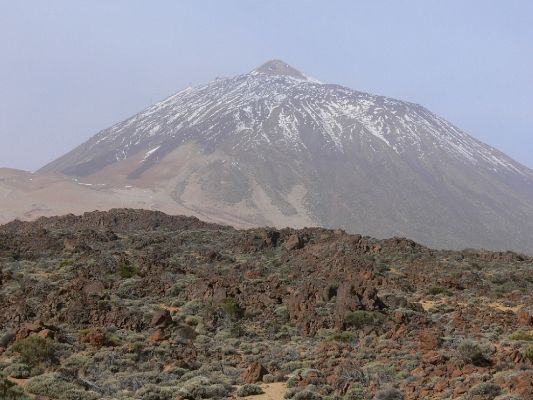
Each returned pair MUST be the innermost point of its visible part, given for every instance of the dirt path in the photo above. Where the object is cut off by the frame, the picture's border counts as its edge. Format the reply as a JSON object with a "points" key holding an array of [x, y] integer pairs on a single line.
{"points": [[273, 391]]}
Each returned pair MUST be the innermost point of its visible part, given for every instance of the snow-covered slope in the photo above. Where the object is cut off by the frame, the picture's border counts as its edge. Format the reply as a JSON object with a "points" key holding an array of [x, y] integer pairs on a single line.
{"points": [[285, 111], [386, 166]]}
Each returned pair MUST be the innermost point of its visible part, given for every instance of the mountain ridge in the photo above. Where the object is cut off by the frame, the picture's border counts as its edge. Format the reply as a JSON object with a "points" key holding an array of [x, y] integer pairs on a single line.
{"points": [[273, 142]]}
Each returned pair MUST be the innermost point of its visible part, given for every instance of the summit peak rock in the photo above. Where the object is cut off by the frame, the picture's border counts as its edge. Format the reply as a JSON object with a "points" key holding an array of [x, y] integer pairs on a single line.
{"points": [[280, 68]]}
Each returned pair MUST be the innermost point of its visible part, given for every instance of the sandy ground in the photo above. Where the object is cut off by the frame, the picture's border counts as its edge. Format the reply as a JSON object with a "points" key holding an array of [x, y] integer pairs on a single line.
{"points": [[273, 391], [27, 196], [429, 304]]}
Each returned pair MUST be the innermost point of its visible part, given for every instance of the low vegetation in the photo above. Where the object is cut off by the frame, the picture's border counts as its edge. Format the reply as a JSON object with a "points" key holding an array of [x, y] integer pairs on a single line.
{"points": [[138, 305]]}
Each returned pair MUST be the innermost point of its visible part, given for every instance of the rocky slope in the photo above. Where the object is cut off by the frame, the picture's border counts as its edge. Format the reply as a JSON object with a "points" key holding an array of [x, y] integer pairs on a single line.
{"points": [[273, 147], [133, 304]]}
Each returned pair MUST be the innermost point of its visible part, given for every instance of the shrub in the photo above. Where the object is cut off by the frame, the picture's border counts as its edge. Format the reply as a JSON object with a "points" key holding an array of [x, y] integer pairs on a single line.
{"points": [[345, 337], [389, 394], [201, 387], [215, 391], [193, 307], [356, 393], [471, 353], [436, 290], [66, 263], [10, 391], [19, 371], [529, 353], [249, 390], [36, 350], [306, 395], [126, 270], [50, 386], [232, 309], [98, 337], [361, 318], [486, 390], [283, 313], [154, 392], [523, 336]]}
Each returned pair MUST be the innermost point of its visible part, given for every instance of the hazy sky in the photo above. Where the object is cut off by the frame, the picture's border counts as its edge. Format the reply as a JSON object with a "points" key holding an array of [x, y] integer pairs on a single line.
{"points": [[71, 68]]}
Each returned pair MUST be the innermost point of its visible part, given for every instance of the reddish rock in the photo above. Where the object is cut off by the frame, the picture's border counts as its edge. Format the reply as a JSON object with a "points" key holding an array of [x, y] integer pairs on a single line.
{"points": [[440, 386], [429, 340], [525, 316], [434, 358], [418, 372], [460, 389], [94, 337], [254, 373], [47, 334], [294, 242], [34, 328], [158, 336], [161, 319], [520, 384]]}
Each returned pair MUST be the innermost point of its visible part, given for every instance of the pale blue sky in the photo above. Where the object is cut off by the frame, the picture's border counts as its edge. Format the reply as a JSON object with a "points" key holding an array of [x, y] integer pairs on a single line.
{"points": [[71, 68]]}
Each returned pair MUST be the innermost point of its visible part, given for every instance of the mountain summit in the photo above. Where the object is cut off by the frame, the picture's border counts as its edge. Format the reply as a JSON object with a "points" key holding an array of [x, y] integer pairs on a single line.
{"points": [[279, 67], [272, 147]]}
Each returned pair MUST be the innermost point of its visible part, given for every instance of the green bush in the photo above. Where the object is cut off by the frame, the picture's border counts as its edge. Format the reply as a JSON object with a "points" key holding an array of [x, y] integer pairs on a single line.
{"points": [[126, 270], [471, 353], [306, 395], [232, 309], [523, 336], [17, 370], [282, 313], [36, 350], [249, 390], [98, 337], [486, 390], [389, 394], [356, 393], [529, 353], [154, 392], [10, 391], [51, 386], [66, 263], [201, 387], [345, 337], [360, 318], [436, 290]]}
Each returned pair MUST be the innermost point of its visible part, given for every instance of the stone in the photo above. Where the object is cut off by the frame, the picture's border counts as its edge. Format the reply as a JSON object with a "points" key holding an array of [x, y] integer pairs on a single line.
{"points": [[7, 339], [95, 337], [254, 373], [429, 340], [47, 334], [95, 289], [161, 318], [294, 242], [525, 317], [158, 336], [185, 334]]}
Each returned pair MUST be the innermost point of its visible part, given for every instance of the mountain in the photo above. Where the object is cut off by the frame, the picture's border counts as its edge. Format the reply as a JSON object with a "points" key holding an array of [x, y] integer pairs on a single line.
{"points": [[275, 147]]}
